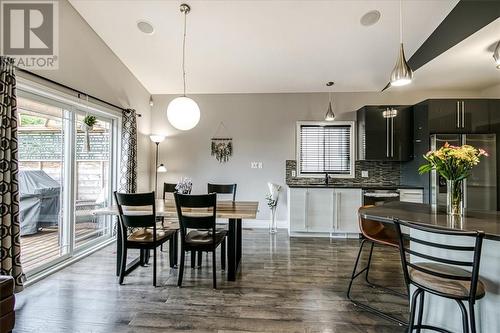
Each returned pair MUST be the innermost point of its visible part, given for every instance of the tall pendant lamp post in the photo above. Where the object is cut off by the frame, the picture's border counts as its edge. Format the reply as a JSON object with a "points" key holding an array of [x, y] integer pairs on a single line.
{"points": [[401, 74], [330, 116], [183, 113], [157, 139]]}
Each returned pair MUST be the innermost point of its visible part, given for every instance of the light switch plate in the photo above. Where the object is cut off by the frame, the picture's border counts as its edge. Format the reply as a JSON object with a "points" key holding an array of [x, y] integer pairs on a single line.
{"points": [[364, 173]]}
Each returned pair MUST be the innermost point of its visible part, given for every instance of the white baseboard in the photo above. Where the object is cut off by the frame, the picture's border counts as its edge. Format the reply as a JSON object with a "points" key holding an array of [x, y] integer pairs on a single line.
{"points": [[264, 224]]}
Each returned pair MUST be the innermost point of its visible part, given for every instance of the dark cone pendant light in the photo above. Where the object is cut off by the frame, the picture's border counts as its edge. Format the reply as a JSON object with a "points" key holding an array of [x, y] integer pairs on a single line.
{"points": [[402, 73], [330, 116]]}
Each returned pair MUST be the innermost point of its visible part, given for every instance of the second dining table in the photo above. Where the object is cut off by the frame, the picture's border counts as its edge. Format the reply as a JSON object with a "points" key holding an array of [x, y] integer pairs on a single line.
{"points": [[233, 211]]}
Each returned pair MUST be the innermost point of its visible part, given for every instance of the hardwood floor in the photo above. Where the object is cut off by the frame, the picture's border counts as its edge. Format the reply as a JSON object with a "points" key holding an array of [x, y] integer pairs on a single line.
{"points": [[285, 285], [43, 247]]}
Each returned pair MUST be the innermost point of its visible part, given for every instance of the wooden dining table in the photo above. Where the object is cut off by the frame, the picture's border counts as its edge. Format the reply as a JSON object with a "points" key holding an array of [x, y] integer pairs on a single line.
{"points": [[233, 211]]}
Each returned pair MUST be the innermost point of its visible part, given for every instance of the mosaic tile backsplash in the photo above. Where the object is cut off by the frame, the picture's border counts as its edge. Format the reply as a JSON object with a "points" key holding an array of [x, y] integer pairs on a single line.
{"points": [[379, 173]]}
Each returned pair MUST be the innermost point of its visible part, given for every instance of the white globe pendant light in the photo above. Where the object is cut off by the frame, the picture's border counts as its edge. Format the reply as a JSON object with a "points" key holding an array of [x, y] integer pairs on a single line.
{"points": [[182, 112]]}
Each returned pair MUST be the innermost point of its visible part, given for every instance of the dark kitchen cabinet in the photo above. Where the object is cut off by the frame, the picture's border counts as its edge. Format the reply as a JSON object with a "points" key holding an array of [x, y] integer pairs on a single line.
{"points": [[385, 136], [458, 115], [444, 115]]}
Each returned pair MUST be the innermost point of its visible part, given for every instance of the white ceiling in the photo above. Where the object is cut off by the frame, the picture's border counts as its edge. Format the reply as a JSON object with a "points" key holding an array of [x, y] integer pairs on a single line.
{"points": [[262, 46]]}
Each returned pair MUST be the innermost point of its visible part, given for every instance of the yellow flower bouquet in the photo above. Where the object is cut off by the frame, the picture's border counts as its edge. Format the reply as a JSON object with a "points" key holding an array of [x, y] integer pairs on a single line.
{"points": [[453, 163]]}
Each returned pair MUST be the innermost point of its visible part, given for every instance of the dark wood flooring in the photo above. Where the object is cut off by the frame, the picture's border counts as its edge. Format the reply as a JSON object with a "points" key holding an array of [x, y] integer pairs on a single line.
{"points": [[285, 285]]}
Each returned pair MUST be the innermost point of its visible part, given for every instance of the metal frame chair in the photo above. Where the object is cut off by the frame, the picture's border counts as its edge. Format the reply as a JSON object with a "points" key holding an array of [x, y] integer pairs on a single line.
{"points": [[430, 275], [381, 234]]}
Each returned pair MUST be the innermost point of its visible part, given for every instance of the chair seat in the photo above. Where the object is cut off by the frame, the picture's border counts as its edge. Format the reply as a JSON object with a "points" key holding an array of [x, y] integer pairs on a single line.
{"points": [[451, 288], [202, 237], [170, 225], [146, 235]]}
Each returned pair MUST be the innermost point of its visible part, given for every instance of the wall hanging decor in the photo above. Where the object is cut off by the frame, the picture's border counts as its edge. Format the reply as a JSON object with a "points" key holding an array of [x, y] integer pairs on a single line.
{"points": [[222, 144]]}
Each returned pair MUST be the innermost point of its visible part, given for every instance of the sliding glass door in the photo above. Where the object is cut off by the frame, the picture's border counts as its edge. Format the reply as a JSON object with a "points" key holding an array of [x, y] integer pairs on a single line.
{"points": [[67, 169], [93, 160], [42, 142]]}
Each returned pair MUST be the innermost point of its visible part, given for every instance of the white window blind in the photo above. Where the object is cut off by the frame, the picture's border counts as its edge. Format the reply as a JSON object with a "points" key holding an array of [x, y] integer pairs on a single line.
{"points": [[325, 149]]}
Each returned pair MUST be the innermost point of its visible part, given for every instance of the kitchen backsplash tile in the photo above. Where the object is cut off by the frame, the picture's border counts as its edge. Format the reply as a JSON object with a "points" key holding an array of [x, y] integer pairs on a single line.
{"points": [[379, 173]]}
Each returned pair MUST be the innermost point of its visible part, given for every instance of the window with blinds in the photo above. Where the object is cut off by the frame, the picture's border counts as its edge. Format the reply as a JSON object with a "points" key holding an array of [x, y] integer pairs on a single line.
{"points": [[325, 149]]}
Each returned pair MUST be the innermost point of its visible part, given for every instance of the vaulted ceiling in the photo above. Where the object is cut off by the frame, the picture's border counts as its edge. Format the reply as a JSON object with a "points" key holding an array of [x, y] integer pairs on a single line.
{"points": [[264, 46]]}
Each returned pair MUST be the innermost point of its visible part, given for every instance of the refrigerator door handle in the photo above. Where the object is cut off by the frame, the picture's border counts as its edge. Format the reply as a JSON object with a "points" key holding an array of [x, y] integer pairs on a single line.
{"points": [[387, 137], [463, 114], [458, 114], [392, 137]]}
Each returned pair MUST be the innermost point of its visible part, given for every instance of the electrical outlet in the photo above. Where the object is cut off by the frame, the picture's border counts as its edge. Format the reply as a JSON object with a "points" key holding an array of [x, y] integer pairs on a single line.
{"points": [[364, 173], [259, 165], [294, 173]]}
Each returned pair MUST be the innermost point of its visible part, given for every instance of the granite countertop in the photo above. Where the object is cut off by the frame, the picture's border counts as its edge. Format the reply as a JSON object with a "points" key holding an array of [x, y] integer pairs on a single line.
{"points": [[375, 186], [487, 221]]}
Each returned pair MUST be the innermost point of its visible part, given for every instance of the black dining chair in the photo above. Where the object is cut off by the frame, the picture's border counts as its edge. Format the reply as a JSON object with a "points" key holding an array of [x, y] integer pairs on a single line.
{"points": [[222, 189], [168, 188], [434, 274], [197, 216], [145, 236], [219, 189]]}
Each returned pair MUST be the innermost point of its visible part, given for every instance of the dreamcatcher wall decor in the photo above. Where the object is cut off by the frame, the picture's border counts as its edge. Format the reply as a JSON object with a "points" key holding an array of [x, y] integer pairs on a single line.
{"points": [[222, 144]]}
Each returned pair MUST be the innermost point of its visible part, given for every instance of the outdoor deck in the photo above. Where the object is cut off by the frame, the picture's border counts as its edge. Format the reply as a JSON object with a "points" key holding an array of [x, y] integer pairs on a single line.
{"points": [[43, 246]]}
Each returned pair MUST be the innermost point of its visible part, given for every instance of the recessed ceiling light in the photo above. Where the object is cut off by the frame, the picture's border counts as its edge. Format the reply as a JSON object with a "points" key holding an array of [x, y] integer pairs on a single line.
{"points": [[145, 27], [370, 18]]}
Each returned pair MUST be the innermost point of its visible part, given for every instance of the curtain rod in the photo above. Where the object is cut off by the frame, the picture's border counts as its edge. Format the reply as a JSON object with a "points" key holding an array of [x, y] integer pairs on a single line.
{"points": [[72, 89]]}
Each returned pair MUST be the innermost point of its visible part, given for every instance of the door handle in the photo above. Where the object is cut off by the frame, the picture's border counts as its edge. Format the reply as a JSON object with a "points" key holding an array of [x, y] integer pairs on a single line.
{"points": [[463, 114], [387, 137], [334, 215], [458, 114], [392, 137], [337, 210]]}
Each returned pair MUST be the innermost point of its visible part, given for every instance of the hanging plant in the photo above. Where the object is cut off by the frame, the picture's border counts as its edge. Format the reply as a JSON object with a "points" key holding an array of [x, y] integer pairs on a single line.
{"points": [[90, 121], [88, 125], [222, 145]]}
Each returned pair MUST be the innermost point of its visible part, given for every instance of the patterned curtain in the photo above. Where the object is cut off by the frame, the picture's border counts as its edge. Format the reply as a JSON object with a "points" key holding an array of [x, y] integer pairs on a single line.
{"points": [[128, 164], [10, 244]]}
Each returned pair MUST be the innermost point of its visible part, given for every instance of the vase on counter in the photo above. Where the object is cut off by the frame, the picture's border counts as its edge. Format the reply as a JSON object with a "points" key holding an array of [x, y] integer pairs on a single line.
{"points": [[454, 197]]}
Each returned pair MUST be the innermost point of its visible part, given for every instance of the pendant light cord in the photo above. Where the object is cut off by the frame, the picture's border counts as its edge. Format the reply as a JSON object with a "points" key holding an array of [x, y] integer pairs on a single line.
{"points": [[184, 54], [400, 22]]}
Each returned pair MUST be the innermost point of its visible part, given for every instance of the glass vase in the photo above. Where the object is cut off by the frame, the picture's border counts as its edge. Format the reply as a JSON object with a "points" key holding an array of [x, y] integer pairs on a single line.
{"points": [[272, 223], [454, 198]]}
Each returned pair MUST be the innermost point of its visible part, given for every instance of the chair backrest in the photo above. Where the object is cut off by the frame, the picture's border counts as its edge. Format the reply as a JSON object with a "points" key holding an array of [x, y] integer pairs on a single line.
{"points": [[421, 235], [196, 211], [371, 229], [222, 189], [168, 188], [132, 219]]}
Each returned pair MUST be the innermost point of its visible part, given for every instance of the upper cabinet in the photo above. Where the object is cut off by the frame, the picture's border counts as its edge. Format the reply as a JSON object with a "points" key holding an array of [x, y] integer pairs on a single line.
{"points": [[385, 133], [457, 115]]}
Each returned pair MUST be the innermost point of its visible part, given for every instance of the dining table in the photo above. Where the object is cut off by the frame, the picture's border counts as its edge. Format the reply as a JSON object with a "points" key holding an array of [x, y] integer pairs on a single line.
{"points": [[233, 211]]}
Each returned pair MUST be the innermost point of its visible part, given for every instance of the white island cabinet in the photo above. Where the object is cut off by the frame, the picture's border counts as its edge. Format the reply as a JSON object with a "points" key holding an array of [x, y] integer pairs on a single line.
{"points": [[330, 212]]}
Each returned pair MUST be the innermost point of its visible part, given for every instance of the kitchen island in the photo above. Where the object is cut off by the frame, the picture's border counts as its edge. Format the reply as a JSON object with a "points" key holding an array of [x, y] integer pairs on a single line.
{"points": [[439, 311]]}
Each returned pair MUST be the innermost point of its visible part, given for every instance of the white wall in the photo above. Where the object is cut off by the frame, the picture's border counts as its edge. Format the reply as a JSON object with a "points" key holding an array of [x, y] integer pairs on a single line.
{"points": [[86, 63], [491, 92], [263, 130]]}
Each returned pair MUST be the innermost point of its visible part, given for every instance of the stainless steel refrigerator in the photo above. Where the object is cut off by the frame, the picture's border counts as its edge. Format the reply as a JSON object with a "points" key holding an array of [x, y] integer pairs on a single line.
{"points": [[480, 189]]}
